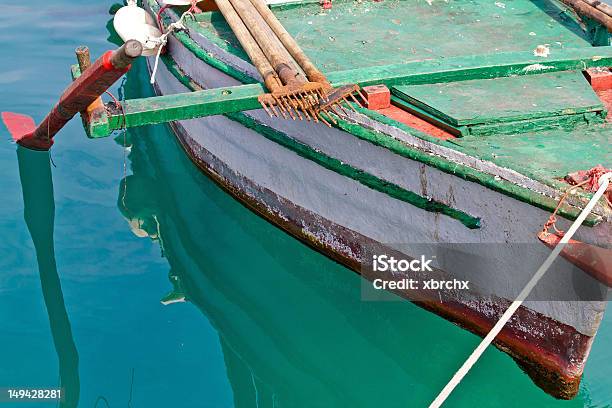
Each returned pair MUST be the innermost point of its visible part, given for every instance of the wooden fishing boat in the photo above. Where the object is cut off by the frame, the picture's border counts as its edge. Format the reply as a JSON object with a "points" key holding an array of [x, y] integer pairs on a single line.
{"points": [[309, 339], [490, 111], [476, 114]]}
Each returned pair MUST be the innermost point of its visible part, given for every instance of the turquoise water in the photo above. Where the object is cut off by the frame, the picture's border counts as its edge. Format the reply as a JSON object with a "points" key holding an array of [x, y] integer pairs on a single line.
{"points": [[268, 322]]}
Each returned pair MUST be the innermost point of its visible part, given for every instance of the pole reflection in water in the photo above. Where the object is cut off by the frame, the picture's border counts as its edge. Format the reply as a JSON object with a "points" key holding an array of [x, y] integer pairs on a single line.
{"points": [[39, 214]]}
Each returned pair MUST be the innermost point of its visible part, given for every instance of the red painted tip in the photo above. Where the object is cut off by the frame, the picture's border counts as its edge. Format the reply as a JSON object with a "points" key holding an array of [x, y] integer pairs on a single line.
{"points": [[19, 126]]}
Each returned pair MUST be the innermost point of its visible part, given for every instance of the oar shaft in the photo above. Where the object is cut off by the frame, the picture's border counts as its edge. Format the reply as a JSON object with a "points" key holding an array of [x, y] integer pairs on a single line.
{"points": [[585, 9], [289, 42], [83, 92], [250, 45], [275, 52], [603, 7], [84, 59]]}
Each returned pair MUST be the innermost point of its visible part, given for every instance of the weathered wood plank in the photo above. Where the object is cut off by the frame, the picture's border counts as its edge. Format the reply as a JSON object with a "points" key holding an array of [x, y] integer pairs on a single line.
{"points": [[167, 108], [476, 67], [509, 99], [504, 99]]}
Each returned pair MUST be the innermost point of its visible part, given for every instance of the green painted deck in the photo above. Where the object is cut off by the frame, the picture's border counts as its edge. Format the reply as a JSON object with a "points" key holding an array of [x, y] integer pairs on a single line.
{"points": [[356, 34], [547, 155]]}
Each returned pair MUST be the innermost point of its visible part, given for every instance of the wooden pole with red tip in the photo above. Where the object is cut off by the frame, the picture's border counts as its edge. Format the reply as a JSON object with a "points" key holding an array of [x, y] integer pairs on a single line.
{"points": [[77, 97]]}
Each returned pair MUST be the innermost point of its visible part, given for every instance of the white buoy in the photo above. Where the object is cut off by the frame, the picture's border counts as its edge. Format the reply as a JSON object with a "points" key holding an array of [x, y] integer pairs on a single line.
{"points": [[134, 23]]}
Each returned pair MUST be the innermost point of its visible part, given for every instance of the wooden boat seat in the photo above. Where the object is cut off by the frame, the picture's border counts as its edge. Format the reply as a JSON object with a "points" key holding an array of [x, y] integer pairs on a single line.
{"points": [[505, 105]]}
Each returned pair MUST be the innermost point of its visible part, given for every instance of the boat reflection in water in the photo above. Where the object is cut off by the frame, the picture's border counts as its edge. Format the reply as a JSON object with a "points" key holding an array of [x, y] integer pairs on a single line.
{"points": [[39, 215], [291, 323]]}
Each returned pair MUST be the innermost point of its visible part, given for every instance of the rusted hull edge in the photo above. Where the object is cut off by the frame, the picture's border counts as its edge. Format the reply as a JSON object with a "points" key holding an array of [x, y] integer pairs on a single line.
{"points": [[553, 354]]}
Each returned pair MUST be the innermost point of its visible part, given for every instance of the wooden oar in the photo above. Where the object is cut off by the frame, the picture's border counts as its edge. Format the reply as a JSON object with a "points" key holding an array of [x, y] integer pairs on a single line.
{"points": [[249, 44], [332, 98], [270, 102], [583, 8], [296, 98], [271, 45], [603, 7], [301, 95], [269, 75], [77, 97], [289, 43]]}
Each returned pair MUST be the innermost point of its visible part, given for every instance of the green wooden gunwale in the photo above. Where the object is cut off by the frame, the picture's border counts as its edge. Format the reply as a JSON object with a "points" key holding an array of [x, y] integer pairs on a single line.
{"points": [[457, 68], [467, 173]]}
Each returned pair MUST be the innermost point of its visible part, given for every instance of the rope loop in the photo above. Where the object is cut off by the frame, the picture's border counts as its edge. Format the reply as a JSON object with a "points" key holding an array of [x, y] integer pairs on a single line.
{"points": [[163, 40], [117, 103], [589, 180]]}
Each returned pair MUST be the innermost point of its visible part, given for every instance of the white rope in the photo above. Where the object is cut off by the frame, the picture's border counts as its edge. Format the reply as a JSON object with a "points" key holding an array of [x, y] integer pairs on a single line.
{"points": [[604, 181], [157, 56], [163, 40]]}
